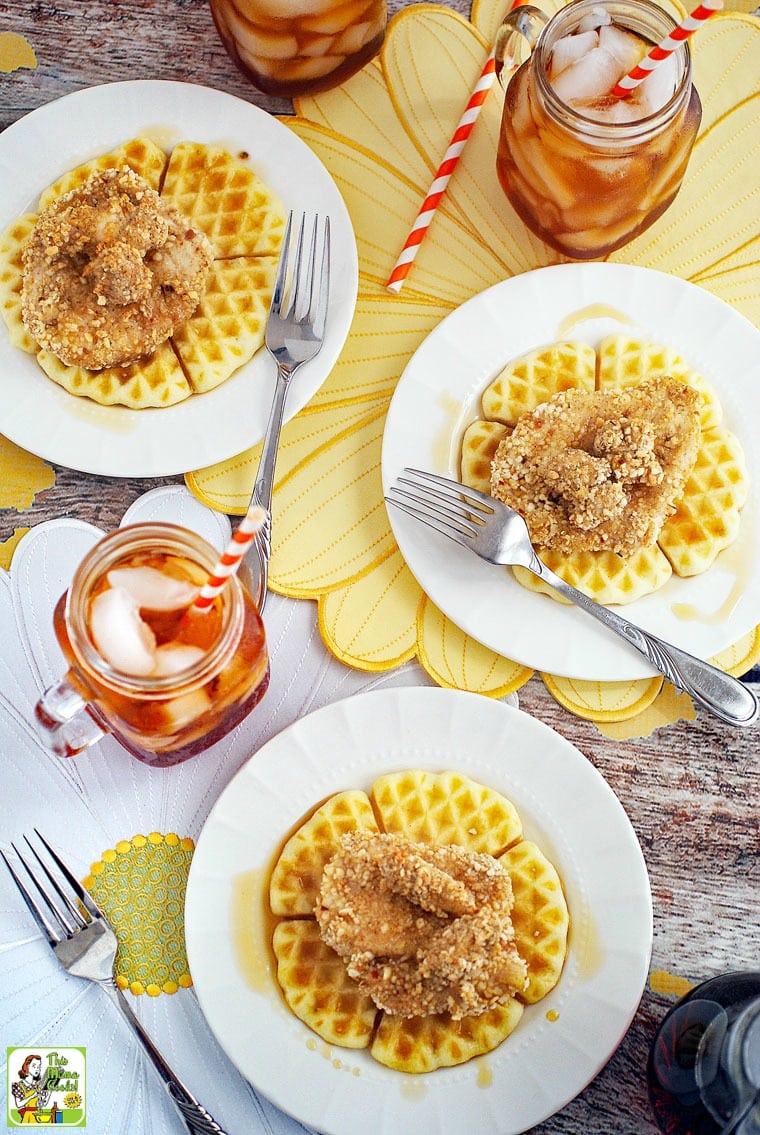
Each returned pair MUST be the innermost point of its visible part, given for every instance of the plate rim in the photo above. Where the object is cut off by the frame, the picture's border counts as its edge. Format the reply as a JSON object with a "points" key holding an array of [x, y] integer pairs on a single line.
{"points": [[209, 881], [575, 652], [116, 441]]}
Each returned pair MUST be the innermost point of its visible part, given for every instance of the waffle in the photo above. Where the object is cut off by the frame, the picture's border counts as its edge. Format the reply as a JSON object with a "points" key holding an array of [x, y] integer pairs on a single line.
{"points": [[706, 518], [439, 808], [625, 359], [539, 916], [317, 987], [297, 874], [140, 154], [11, 272], [446, 807], [228, 326], [708, 515], [479, 444], [421, 1044], [226, 200], [535, 377], [220, 195], [157, 380], [610, 578]]}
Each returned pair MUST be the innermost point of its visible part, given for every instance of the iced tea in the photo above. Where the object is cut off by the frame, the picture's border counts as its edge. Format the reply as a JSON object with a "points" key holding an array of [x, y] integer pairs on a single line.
{"points": [[585, 170], [167, 680], [298, 47]]}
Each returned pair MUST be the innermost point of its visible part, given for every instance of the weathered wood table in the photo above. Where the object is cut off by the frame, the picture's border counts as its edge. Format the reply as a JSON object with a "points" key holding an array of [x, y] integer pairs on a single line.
{"points": [[690, 790]]}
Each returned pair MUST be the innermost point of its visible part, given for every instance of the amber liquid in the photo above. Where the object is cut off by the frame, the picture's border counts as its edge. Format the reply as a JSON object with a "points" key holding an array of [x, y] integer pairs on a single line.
{"points": [[166, 728], [674, 1091], [297, 49], [582, 198]]}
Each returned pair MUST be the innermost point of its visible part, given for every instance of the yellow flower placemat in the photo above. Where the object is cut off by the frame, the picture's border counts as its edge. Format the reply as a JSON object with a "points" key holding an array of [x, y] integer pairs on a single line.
{"points": [[381, 136]]}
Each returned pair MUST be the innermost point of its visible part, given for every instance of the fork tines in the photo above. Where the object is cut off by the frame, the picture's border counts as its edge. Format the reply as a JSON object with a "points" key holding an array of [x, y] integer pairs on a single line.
{"points": [[300, 269], [69, 915], [442, 504]]}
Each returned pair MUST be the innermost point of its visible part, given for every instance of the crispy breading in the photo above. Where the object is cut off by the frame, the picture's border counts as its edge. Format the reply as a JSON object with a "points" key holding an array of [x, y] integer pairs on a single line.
{"points": [[422, 929], [110, 270], [600, 471]]}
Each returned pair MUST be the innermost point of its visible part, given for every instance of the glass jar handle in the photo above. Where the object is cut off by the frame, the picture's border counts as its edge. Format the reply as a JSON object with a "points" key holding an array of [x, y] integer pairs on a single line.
{"points": [[65, 721], [521, 25]]}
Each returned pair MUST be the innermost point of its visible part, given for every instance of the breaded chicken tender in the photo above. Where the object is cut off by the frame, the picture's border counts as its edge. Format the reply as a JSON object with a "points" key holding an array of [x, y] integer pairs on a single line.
{"points": [[423, 929], [600, 471], [110, 270]]}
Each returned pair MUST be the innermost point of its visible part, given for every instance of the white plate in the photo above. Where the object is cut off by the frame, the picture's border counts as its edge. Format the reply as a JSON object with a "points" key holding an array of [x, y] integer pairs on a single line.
{"points": [[115, 441], [565, 805], [439, 394]]}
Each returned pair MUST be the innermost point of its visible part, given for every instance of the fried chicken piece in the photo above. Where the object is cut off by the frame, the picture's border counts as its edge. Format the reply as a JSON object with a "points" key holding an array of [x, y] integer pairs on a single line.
{"points": [[422, 929], [595, 471], [110, 270]]}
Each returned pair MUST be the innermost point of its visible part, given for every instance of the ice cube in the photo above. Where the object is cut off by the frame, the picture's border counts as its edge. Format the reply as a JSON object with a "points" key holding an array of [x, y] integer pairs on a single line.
{"points": [[596, 18], [593, 75], [570, 49], [173, 657], [181, 711], [626, 48], [121, 636], [659, 86], [153, 590]]}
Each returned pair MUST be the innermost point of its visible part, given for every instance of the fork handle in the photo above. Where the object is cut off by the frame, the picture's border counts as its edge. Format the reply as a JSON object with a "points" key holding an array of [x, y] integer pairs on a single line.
{"points": [[196, 1119], [264, 485], [718, 692]]}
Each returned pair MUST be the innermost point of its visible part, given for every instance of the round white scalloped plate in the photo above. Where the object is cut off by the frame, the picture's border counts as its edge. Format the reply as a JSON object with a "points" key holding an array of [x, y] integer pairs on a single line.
{"points": [[113, 440], [565, 805], [439, 394]]}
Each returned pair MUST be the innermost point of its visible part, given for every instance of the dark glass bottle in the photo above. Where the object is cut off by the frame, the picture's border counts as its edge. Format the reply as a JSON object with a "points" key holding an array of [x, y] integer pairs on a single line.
{"points": [[703, 1071]]}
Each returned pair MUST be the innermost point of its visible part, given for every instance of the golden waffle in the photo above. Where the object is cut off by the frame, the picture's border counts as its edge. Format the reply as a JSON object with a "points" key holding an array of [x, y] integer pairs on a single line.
{"points": [[625, 359], [226, 200], [707, 517], [245, 221], [610, 578], [421, 1044], [445, 807], [479, 444], [156, 381], [11, 272], [297, 873], [229, 324], [140, 154], [535, 377], [437, 808], [539, 916], [317, 987]]}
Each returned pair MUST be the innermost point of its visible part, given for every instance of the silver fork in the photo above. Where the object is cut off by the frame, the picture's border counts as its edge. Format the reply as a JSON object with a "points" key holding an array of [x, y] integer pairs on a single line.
{"points": [[85, 945], [295, 333], [500, 535]]}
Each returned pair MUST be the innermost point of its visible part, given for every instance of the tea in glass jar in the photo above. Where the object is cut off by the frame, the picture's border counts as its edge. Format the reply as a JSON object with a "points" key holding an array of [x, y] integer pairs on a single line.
{"points": [[166, 679], [587, 171], [298, 47]]}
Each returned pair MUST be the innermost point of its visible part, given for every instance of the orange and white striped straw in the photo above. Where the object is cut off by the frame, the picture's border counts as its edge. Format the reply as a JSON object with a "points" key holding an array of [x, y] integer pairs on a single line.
{"points": [[666, 47], [230, 560], [443, 174]]}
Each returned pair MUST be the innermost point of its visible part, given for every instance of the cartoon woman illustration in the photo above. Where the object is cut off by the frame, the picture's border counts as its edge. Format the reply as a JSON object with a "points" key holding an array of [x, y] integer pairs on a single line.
{"points": [[29, 1091]]}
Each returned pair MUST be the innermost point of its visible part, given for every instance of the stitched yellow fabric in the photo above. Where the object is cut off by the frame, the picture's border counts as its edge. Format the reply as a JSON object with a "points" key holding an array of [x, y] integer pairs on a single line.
{"points": [[381, 136], [140, 886]]}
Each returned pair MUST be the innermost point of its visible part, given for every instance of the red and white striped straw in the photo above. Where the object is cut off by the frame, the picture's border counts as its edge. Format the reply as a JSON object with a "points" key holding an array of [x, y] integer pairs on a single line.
{"points": [[230, 560], [666, 47], [443, 174]]}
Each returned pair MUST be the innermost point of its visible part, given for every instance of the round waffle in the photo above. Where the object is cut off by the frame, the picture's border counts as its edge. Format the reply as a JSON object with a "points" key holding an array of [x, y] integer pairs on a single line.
{"points": [[221, 196], [706, 516], [435, 808]]}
